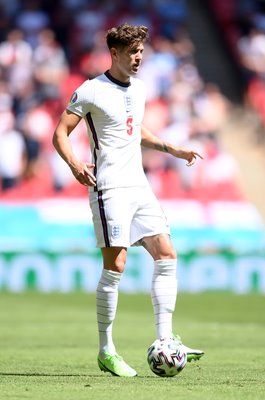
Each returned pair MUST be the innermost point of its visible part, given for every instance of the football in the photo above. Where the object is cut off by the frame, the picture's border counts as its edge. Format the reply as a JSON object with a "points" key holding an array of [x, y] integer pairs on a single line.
{"points": [[166, 357]]}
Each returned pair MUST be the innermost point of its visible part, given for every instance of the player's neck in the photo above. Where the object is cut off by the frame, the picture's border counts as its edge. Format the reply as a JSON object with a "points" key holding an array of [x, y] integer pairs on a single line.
{"points": [[118, 75]]}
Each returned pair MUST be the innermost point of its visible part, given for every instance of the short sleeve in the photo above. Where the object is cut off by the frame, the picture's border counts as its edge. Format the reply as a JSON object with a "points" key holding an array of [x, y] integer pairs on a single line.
{"points": [[82, 99]]}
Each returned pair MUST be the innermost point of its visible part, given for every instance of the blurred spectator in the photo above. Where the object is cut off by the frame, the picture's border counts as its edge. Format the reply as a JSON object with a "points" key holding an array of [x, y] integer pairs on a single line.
{"points": [[97, 59], [37, 126], [25, 98], [210, 109], [50, 64], [15, 59], [6, 114], [252, 53], [158, 67], [156, 115], [218, 167], [10, 8], [32, 19], [173, 15], [87, 21], [12, 152]]}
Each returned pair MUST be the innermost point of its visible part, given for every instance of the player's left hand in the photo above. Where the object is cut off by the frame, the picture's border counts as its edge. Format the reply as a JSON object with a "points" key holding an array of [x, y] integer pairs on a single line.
{"points": [[191, 157]]}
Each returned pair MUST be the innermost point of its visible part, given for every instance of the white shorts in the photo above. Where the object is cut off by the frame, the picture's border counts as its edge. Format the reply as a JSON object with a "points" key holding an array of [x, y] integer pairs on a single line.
{"points": [[124, 216]]}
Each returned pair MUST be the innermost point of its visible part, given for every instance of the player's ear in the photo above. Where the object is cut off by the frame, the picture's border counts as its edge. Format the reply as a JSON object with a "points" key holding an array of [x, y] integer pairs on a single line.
{"points": [[114, 52]]}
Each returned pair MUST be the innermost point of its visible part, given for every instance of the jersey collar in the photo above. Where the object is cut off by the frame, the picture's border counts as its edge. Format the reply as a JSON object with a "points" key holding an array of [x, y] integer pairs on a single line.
{"points": [[114, 80]]}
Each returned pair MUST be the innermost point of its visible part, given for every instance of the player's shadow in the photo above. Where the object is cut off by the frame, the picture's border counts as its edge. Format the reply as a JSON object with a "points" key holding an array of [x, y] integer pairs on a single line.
{"points": [[40, 374]]}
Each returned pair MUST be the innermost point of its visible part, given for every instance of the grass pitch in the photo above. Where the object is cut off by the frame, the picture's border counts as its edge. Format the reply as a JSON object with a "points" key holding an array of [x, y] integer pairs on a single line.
{"points": [[48, 348]]}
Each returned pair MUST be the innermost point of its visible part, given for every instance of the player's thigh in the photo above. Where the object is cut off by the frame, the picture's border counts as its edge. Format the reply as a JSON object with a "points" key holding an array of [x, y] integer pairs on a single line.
{"points": [[114, 258], [149, 219], [159, 246], [112, 214]]}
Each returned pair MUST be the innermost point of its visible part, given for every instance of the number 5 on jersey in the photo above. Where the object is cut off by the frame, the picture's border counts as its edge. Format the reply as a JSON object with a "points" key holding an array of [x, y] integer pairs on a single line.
{"points": [[129, 124]]}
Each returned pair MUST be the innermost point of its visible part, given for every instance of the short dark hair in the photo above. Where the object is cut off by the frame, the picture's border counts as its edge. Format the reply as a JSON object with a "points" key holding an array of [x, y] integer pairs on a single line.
{"points": [[126, 35]]}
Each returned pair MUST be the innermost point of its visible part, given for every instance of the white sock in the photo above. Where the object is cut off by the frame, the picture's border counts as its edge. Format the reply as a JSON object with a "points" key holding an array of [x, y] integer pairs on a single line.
{"points": [[107, 301], [164, 294]]}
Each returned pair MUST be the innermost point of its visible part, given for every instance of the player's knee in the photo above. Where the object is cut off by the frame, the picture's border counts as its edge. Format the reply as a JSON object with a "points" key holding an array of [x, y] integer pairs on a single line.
{"points": [[167, 253], [172, 254], [164, 253], [114, 259], [118, 266]]}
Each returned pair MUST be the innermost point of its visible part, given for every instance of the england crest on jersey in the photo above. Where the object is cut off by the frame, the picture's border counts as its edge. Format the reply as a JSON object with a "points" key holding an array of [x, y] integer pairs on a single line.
{"points": [[116, 231]]}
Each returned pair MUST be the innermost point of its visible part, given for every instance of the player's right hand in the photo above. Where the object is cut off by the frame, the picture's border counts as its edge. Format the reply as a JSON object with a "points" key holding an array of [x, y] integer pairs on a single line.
{"points": [[83, 174]]}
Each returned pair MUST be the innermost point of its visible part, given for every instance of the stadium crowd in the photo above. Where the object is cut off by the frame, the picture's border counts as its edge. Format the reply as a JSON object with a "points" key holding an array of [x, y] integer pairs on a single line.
{"points": [[242, 23], [48, 48]]}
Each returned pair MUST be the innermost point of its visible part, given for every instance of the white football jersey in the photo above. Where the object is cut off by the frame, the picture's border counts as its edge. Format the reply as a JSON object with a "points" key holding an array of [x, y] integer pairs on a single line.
{"points": [[113, 112]]}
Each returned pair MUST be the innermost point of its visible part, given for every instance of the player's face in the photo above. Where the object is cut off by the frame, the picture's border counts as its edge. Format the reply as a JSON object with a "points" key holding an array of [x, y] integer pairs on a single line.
{"points": [[129, 60]]}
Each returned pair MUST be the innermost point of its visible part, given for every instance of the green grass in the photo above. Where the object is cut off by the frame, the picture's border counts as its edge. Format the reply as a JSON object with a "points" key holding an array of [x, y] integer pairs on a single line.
{"points": [[48, 348]]}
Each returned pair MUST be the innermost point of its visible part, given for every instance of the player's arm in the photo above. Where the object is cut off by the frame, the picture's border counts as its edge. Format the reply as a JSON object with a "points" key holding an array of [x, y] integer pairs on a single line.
{"points": [[154, 142], [81, 170]]}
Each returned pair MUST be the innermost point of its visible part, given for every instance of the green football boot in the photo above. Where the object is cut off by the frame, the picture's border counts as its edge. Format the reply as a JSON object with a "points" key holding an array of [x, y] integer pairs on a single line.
{"points": [[115, 365], [192, 354]]}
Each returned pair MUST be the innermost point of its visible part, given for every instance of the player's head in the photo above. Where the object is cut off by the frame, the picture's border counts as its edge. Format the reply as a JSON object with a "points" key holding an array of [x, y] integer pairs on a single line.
{"points": [[126, 35], [126, 45]]}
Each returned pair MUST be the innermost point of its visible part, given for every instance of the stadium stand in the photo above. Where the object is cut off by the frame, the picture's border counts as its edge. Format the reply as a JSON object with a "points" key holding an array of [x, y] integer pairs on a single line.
{"points": [[243, 26], [48, 48]]}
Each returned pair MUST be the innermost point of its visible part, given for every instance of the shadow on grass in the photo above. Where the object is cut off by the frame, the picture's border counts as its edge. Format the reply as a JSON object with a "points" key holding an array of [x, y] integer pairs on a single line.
{"points": [[40, 374], [74, 375]]}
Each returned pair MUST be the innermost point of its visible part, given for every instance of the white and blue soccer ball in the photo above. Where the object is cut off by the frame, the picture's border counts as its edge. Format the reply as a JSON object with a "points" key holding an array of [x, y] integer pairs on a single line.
{"points": [[166, 357]]}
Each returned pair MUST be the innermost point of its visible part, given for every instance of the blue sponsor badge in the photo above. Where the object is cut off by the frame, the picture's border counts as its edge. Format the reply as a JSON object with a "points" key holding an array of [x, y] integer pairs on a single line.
{"points": [[73, 98]]}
